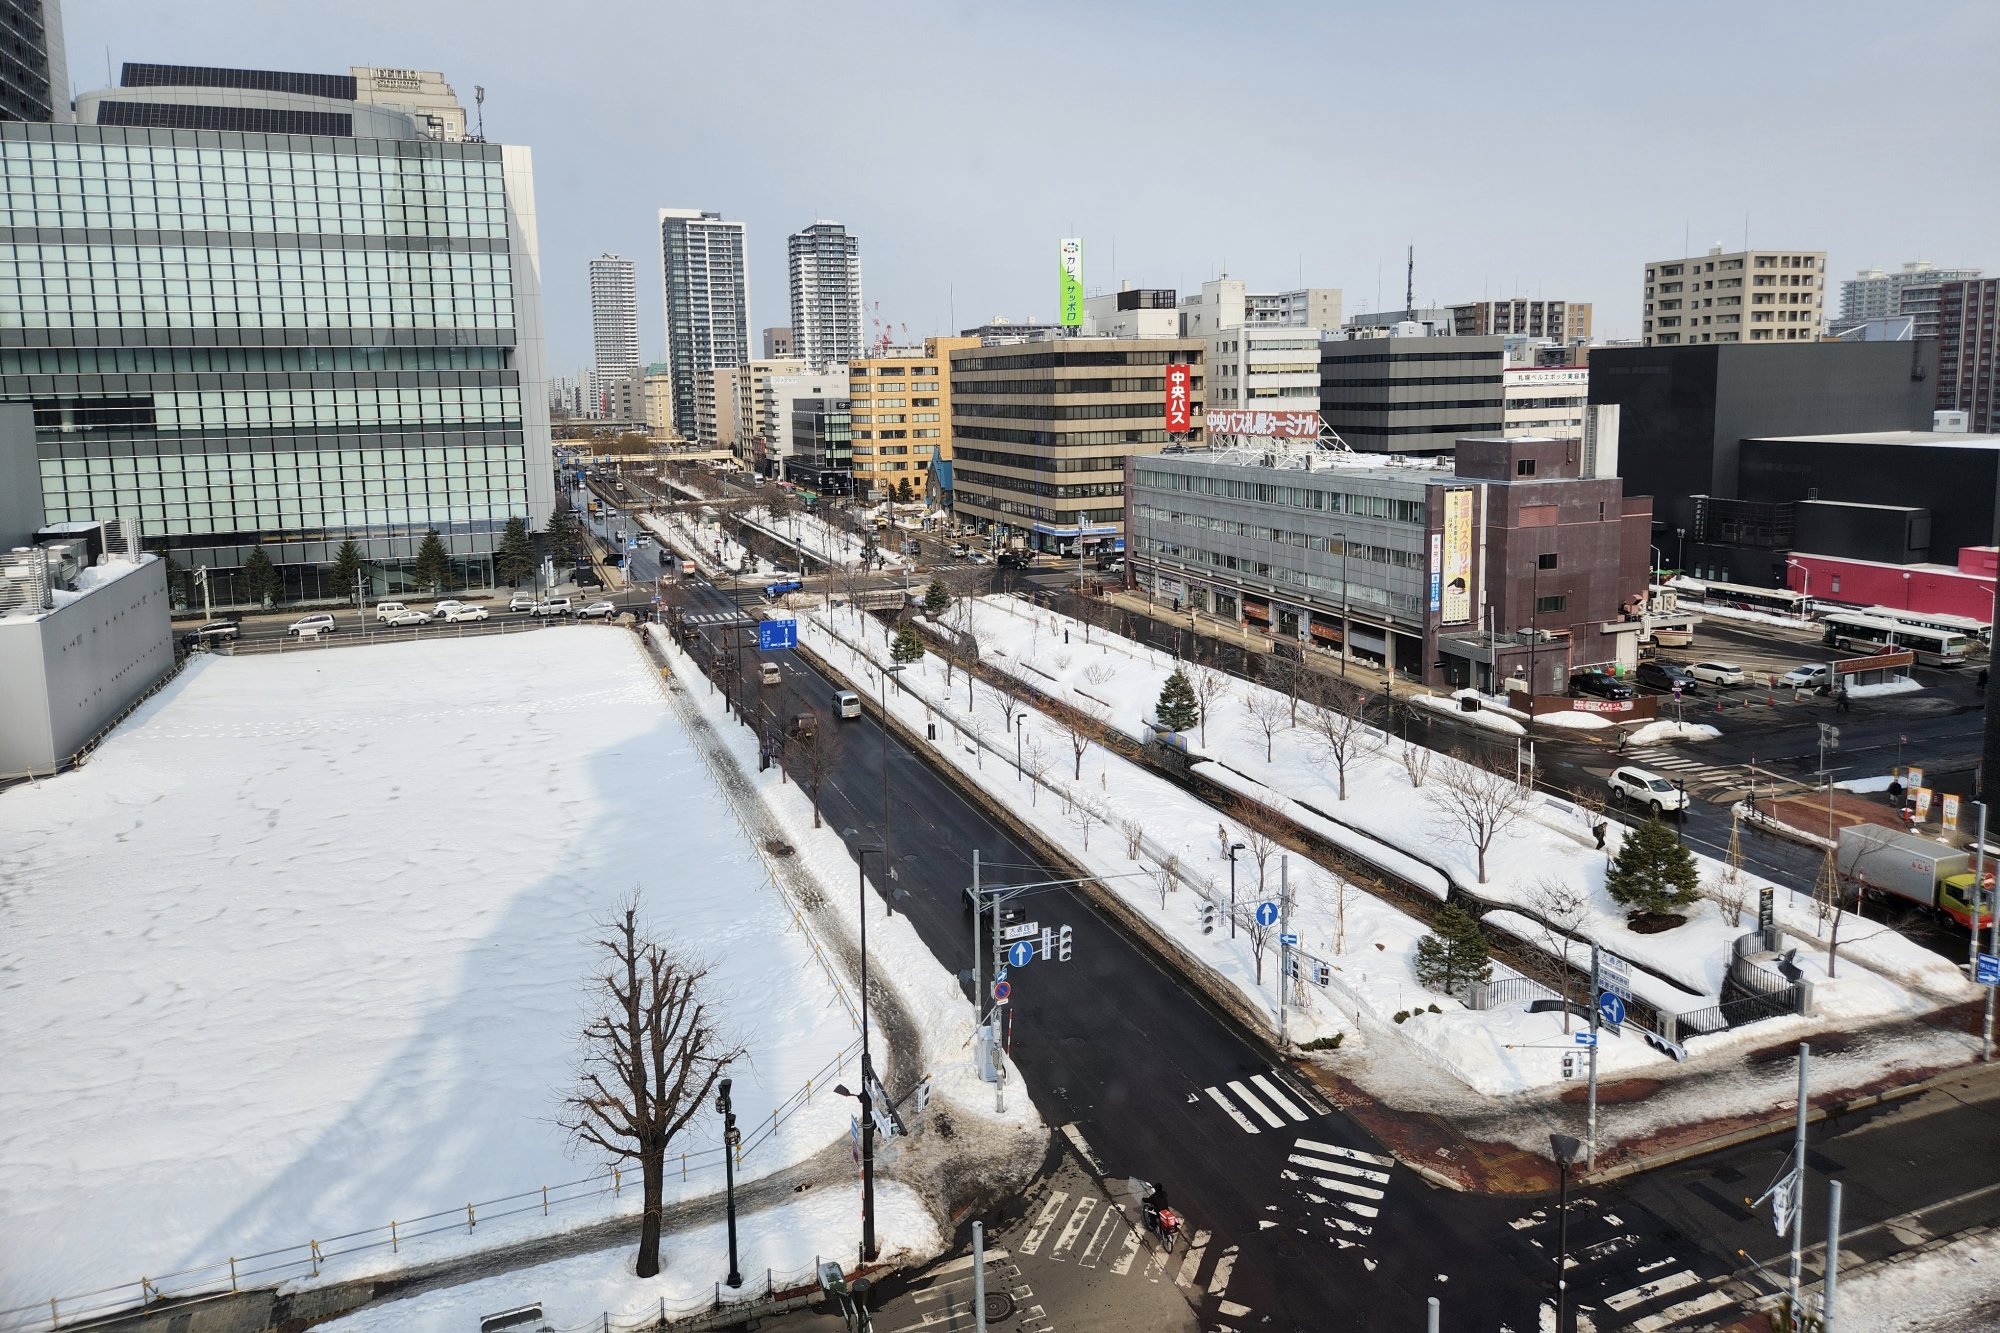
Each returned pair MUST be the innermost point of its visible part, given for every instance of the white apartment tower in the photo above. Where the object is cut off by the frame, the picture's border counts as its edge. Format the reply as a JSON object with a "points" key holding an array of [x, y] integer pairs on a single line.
{"points": [[707, 292], [826, 294], [614, 318]]}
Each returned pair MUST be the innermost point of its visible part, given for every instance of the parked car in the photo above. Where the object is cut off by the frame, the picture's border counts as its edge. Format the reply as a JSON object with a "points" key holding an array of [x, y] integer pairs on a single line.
{"points": [[552, 606], [383, 610], [1646, 788], [597, 611], [521, 601], [408, 616], [312, 626], [846, 704], [1717, 673], [1666, 676], [1602, 684], [454, 612], [210, 635], [1811, 676], [1013, 560]]}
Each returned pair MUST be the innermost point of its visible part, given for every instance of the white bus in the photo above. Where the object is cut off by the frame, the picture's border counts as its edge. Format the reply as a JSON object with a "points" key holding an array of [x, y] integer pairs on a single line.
{"points": [[1939, 620], [1742, 597], [1871, 634]]}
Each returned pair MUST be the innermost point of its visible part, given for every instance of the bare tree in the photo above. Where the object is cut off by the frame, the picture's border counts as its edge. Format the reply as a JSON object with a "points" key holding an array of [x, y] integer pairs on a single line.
{"points": [[1210, 687], [1009, 703], [1100, 673], [1134, 833], [1035, 762], [1267, 716], [1334, 893], [820, 754], [1417, 762], [1258, 933], [1478, 802], [1083, 815], [979, 727], [1731, 894], [1257, 839], [1289, 678], [651, 1055], [1169, 877], [1336, 716], [1080, 723], [1558, 909]]}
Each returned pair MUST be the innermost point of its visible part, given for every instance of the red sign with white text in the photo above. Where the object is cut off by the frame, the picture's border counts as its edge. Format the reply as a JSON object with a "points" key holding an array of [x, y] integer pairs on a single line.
{"points": [[1180, 411]]}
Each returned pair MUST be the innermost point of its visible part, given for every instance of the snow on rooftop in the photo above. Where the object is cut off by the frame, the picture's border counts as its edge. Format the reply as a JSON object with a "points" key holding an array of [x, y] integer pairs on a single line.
{"points": [[299, 951]]}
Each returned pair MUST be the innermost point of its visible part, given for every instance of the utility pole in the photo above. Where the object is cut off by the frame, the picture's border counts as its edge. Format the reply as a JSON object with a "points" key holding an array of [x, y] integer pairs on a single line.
{"points": [[730, 1138], [1831, 1284], [1284, 934], [1799, 1175], [979, 1277], [1590, 1157]]}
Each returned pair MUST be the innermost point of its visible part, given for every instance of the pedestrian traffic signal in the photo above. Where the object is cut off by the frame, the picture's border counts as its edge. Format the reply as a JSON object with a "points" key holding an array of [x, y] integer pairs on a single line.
{"points": [[1207, 917], [1062, 945]]}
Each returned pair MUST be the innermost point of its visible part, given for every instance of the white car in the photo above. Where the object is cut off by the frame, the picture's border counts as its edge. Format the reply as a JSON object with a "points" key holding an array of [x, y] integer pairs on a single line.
{"points": [[521, 601], [553, 606], [1644, 787], [1717, 673], [311, 627], [453, 612], [1811, 676], [408, 616], [597, 611]]}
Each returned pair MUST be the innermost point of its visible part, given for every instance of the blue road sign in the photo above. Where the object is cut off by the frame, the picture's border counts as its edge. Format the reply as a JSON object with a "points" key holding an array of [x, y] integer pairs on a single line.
{"points": [[1611, 1009], [773, 635], [1586, 1038], [1001, 990], [1267, 914], [1020, 954], [1289, 941], [1988, 971]]}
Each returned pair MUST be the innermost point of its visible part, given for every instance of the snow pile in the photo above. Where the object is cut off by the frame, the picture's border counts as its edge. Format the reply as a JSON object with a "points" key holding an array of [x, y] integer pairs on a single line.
{"points": [[821, 540], [300, 952], [1865, 785], [1955, 1286], [1654, 733], [1572, 720], [1492, 719], [1901, 685]]}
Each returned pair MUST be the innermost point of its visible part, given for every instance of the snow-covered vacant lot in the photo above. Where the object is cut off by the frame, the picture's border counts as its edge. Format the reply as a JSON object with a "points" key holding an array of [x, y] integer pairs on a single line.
{"points": [[299, 952]]}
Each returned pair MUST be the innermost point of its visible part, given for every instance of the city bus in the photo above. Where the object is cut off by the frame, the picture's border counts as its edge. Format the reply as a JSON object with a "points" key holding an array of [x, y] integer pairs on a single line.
{"points": [[1871, 634], [1938, 620], [1742, 597]]}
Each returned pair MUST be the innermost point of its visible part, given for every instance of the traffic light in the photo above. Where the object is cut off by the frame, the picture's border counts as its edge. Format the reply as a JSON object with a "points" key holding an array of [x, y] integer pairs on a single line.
{"points": [[1063, 946], [1207, 917], [1569, 1066]]}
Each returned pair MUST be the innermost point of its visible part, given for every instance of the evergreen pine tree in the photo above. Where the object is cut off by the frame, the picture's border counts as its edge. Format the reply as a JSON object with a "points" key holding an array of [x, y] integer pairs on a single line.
{"points": [[433, 563], [560, 535], [1654, 873], [902, 490], [937, 599], [346, 568], [908, 647], [1177, 709], [514, 560], [260, 577], [1454, 953]]}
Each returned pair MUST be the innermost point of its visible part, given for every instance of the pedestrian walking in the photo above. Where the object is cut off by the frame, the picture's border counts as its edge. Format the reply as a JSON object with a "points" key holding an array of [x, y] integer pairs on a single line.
{"points": [[1982, 680], [1840, 699]]}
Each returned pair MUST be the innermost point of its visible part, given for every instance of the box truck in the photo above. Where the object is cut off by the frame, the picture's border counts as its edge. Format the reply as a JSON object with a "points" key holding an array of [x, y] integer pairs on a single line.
{"points": [[1885, 863]]}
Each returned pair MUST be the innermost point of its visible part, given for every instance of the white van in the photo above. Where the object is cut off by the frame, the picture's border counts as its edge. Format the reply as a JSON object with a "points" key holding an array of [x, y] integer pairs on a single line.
{"points": [[768, 672], [384, 610], [846, 704]]}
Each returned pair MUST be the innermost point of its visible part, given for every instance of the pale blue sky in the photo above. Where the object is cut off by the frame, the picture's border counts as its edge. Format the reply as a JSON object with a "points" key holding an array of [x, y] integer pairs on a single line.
{"points": [[1540, 150]]}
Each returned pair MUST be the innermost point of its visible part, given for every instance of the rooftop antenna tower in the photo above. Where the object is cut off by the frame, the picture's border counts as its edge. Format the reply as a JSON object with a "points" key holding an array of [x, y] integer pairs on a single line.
{"points": [[479, 99], [1410, 285]]}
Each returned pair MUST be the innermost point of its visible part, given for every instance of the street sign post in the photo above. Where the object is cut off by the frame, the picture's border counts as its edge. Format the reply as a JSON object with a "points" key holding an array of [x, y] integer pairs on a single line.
{"points": [[1615, 975], [1267, 914], [1987, 971], [1612, 1008], [777, 635], [1020, 954], [1020, 931], [1586, 1038], [1001, 990], [1289, 941]]}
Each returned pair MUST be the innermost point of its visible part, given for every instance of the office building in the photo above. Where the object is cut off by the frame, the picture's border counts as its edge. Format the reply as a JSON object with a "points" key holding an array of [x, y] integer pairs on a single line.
{"points": [[1503, 561], [658, 389], [1411, 394], [778, 342], [1000, 331], [1748, 296], [1544, 400], [421, 92], [266, 362], [901, 409], [1145, 312], [783, 395], [1041, 432], [755, 423], [817, 457], [614, 318], [197, 97], [707, 295], [1422, 322], [1872, 295], [34, 75], [1562, 322], [1271, 368], [715, 409], [1226, 303], [826, 294], [1968, 332]]}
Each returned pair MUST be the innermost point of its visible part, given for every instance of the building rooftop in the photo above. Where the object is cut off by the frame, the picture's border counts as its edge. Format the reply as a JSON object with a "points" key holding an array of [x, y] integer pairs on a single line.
{"points": [[1294, 458], [1944, 438]]}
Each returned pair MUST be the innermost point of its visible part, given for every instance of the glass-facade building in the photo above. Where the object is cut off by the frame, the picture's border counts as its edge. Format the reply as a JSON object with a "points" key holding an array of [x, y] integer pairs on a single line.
{"points": [[243, 339]]}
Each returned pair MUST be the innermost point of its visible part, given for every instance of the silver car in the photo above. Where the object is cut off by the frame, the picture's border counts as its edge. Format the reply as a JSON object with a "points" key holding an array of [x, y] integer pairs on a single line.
{"points": [[407, 616], [1717, 673]]}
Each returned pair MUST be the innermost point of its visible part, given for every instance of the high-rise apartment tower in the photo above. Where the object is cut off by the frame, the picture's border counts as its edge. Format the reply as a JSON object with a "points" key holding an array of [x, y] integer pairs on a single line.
{"points": [[707, 295], [614, 318], [826, 294]]}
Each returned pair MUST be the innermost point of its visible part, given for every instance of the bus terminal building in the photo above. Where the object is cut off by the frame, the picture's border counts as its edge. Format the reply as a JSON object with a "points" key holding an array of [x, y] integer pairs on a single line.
{"points": [[1454, 572]]}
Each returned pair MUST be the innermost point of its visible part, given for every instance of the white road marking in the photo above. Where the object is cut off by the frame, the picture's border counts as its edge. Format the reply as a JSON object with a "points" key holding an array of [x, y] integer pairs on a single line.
{"points": [[1082, 1148], [1229, 1106], [1033, 1243], [1093, 1250], [1352, 1154], [1264, 1113], [1340, 1168], [1218, 1282], [1126, 1254], [1686, 1310], [993, 1255], [1156, 1267], [1346, 1187], [1072, 1228], [1625, 1300], [1283, 1102], [1362, 1209], [1232, 1309], [1185, 1277]]}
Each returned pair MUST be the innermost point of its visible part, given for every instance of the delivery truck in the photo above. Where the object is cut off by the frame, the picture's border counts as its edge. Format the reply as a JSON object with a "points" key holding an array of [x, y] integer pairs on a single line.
{"points": [[1884, 863]]}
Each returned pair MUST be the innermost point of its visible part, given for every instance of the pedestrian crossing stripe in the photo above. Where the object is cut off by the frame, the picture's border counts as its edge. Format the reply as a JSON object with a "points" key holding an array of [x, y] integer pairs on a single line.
{"points": [[1249, 1099], [1352, 1154], [1243, 1121], [1625, 1300], [1283, 1102], [1268, 1093], [1040, 1229], [1358, 1172]]}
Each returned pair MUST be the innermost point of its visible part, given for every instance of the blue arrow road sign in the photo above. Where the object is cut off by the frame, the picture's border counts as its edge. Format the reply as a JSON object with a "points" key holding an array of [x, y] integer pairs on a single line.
{"points": [[1020, 954], [1586, 1038], [1267, 914], [1611, 1009], [773, 635], [1988, 971], [1289, 941]]}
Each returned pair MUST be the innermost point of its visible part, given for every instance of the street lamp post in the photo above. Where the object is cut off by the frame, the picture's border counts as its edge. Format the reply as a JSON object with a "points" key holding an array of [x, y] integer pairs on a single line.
{"points": [[1234, 848], [1565, 1150], [867, 1066], [888, 867], [1807, 590], [1346, 620], [730, 1138]]}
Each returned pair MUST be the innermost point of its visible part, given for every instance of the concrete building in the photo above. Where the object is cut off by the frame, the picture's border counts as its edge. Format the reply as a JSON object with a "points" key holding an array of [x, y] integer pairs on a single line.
{"points": [[1504, 561], [1411, 394], [1424, 322], [351, 105], [707, 295], [1745, 297], [34, 72], [1041, 432], [421, 92], [1000, 331], [1145, 312], [817, 457], [901, 411], [784, 396], [269, 363], [1562, 322], [754, 421], [715, 409], [659, 392], [826, 294], [1968, 330], [1544, 400], [778, 343], [1269, 367], [1226, 303], [1872, 294], [614, 318]]}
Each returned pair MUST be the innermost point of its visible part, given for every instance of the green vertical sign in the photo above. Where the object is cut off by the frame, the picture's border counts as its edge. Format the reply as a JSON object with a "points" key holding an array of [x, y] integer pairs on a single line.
{"points": [[1070, 301]]}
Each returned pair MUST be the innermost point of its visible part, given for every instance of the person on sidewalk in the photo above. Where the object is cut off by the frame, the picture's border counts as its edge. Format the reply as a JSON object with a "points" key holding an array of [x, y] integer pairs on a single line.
{"points": [[1982, 680], [1840, 699]]}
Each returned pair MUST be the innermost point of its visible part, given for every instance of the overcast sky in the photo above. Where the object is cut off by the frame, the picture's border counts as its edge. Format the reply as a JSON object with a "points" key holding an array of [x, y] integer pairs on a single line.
{"points": [[1541, 150]]}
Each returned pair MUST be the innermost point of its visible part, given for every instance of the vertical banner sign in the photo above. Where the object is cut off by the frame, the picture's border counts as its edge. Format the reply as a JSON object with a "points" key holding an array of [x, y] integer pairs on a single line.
{"points": [[1437, 571], [1951, 811], [1913, 778], [1070, 303], [1457, 557], [1923, 804], [1180, 413]]}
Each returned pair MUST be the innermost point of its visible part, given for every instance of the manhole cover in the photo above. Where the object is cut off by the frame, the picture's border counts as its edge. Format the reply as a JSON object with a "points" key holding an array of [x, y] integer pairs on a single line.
{"points": [[1290, 1249], [999, 1306], [777, 848]]}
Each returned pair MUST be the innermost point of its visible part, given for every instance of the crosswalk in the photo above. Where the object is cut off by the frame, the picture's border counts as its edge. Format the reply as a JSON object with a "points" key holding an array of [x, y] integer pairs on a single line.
{"points": [[719, 618], [1094, 1232], [1262, 1098], [1675, 762], [1620, 1280]]}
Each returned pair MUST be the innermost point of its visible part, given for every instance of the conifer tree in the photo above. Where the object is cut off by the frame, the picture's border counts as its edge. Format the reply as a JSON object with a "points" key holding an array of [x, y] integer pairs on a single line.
{"points": [[937, 598], [346, 568], [433, 563], [260, 577], [1654, 873], [1177, 709], [514, 559], [908, 647], [1454, 953]]}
